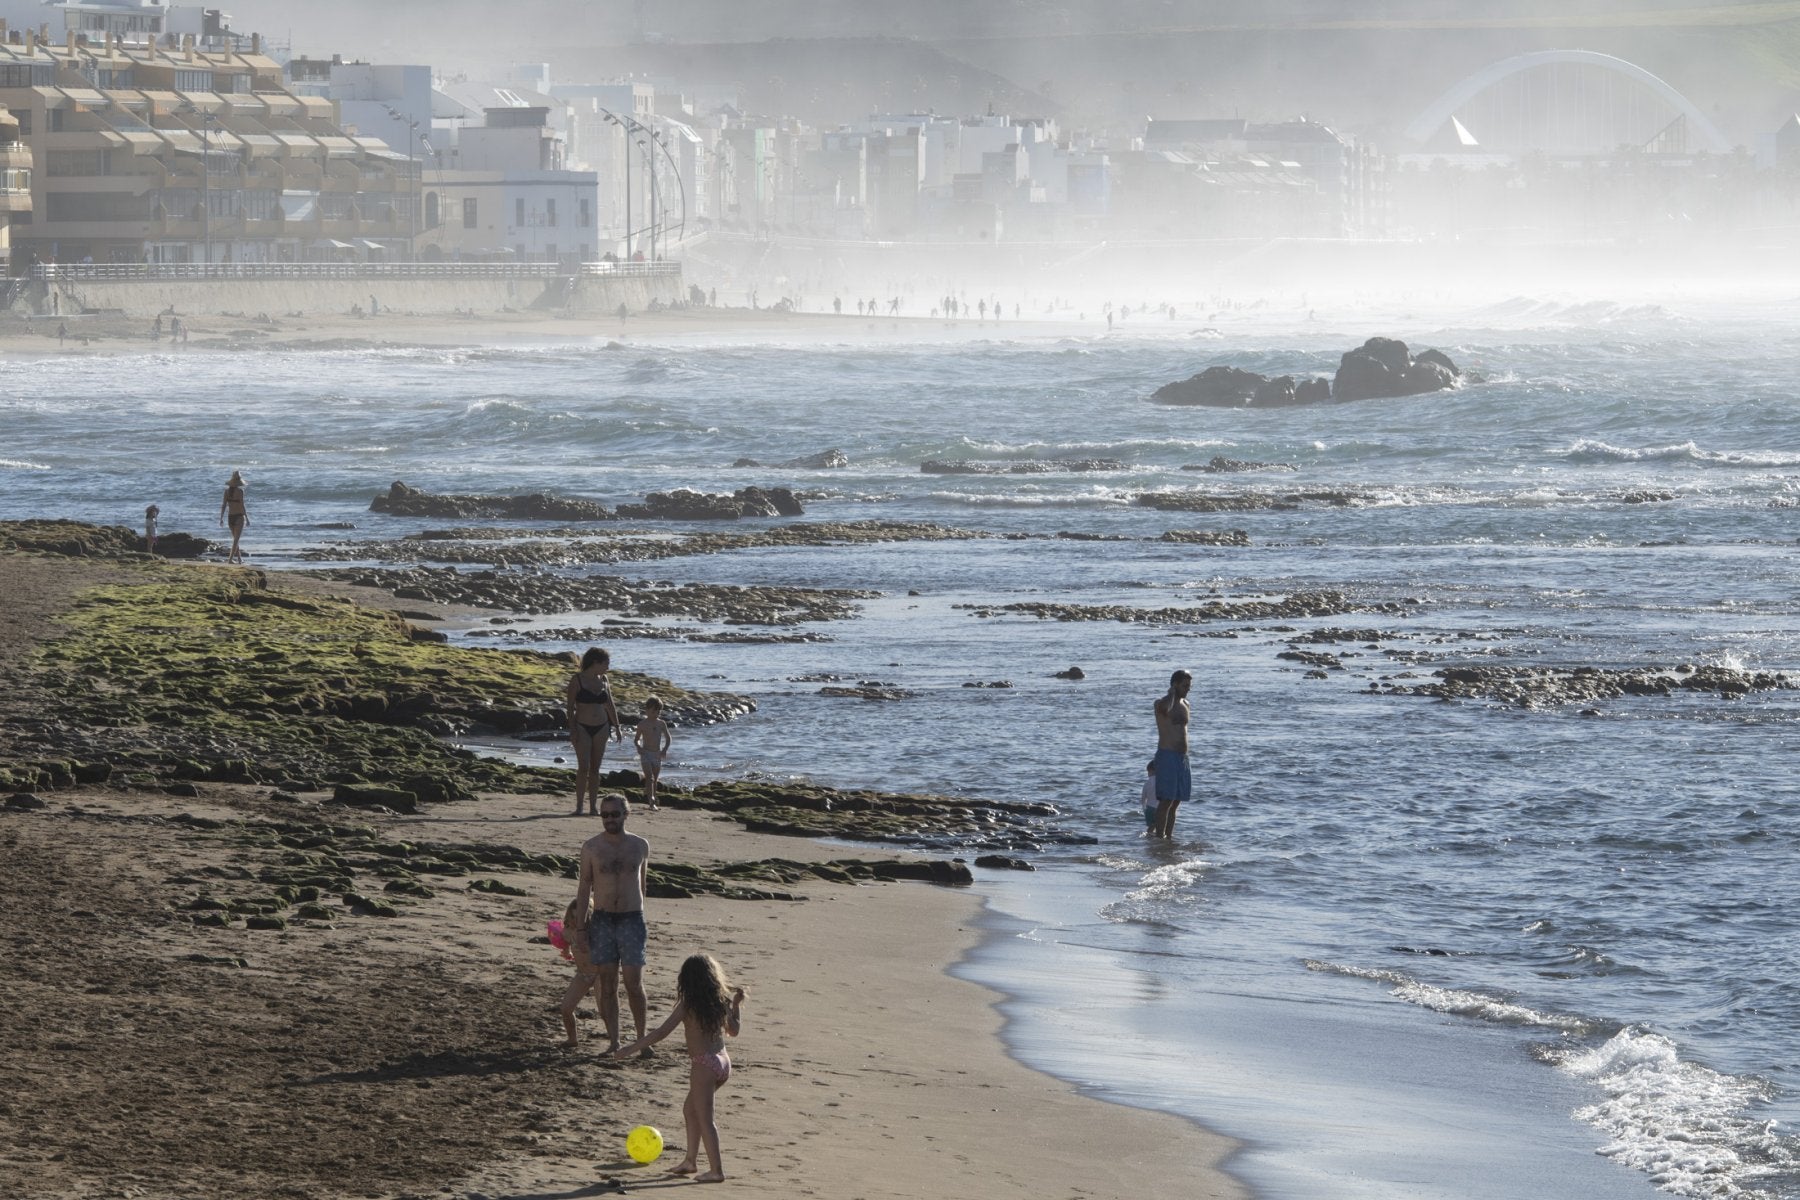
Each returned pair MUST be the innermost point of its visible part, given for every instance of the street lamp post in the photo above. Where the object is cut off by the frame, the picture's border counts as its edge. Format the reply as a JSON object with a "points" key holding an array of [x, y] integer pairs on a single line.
{"points": [[412, 190], [613, 118]]}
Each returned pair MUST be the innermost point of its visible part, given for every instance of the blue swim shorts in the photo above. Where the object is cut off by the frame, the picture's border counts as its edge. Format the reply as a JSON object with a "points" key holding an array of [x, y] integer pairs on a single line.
{"points": [[1172, 779], [617, 938]]}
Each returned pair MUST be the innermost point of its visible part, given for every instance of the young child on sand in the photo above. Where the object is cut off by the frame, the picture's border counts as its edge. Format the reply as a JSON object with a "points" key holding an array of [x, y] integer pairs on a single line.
{"points": [[707, 1008], [574, 947], [1150, 796], [652, 738]]}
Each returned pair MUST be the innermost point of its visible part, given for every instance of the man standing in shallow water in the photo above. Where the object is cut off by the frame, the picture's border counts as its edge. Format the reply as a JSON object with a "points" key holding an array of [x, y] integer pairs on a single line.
{"points": [[614, 869], [1173, 780]]}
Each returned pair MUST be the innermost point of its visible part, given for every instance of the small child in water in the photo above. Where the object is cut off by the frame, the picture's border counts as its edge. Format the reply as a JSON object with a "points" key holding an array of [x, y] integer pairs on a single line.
{"points": [[574, 947], [1150, 796], [652, 739], [707, 1008]]}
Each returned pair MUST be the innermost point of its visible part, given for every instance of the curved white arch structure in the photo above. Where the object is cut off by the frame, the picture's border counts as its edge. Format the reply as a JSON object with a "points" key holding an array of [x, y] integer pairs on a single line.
{"points": [[1445, 106]]}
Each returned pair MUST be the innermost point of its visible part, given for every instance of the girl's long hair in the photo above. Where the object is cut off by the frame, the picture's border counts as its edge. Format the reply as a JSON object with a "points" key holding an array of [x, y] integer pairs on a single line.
{"points": [[703, 988]]}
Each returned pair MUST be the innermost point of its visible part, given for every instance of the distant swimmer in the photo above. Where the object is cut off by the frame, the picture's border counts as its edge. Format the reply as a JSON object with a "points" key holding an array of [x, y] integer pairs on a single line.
{"points": [[232, 510], [1173, 780]]}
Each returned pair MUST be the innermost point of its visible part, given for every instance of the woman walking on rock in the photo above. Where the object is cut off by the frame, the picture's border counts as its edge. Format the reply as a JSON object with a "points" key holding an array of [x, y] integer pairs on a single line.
{"points": [[592, 716], [232, 506]]}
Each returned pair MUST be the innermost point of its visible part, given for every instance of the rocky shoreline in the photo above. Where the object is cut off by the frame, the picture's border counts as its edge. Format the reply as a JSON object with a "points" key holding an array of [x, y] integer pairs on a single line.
{"points": [[176, 676]]}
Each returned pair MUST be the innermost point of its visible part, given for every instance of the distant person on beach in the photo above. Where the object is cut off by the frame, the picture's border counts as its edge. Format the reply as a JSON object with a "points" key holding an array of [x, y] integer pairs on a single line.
{"points": [[592, 715], [652, 740], [232, 508], [1173, 781], [62, 332], [575, 949], [709, 1010], [615, 869], [150, 515]]}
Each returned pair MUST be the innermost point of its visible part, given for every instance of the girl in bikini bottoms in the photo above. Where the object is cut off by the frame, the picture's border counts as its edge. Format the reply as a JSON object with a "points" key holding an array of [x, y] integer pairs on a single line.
{"points": [[591, 716], [708, 1009]]}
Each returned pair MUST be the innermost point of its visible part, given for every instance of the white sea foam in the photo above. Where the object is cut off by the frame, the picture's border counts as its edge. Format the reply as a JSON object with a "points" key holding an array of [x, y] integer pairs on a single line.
{"points": [[1591, 450], [1455, 1001], [20, 464], [1688, 1127], [1027, 500]]}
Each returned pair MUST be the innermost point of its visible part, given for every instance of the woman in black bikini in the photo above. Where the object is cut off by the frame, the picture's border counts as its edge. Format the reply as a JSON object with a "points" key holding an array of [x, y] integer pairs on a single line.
{"points": [[233, 506], [591, 717]]}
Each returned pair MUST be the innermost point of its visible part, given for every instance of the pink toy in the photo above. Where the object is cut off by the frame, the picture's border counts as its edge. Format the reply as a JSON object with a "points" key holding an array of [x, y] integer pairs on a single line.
{"points": [[555, 930]]}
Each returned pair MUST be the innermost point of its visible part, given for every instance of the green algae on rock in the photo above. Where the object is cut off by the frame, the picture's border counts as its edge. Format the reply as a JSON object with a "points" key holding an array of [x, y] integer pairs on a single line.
{"points": [[212, 675]]}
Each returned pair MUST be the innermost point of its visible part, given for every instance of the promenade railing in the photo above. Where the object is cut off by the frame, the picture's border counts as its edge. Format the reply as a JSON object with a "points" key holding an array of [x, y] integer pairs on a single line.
{"points": [[56, 272]]}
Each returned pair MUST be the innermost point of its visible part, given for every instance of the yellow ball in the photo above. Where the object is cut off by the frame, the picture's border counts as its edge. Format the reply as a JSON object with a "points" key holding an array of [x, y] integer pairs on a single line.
{"points": [[644, 1144]]}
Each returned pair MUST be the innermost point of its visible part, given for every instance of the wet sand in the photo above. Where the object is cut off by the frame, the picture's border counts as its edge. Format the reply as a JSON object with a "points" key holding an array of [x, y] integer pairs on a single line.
{"points": [[419, 1054]]}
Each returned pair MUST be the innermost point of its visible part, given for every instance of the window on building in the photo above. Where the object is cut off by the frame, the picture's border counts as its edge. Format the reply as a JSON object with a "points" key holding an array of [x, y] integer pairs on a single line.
{"points": [[193, 81], [259, 204], [27, 75], [585, 216], [431, 210], [550, 254], [550, 213], [518, 214], [469, 212]]}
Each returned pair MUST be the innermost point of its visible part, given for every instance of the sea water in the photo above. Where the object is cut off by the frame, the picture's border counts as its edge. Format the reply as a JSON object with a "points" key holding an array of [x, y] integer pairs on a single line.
{"points": [[1401, 946]]}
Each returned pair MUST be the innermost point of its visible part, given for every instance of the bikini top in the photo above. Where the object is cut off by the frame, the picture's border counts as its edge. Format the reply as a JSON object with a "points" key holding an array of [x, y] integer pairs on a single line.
{"points": [[584, 696]]}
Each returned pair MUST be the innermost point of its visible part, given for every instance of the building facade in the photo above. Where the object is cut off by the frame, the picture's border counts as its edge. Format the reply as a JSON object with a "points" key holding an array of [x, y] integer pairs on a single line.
{"points": [[165, 153]]}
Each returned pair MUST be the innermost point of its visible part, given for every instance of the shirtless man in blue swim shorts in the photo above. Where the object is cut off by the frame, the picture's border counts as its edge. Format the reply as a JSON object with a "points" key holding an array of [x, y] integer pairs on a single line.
{"points": [[1173, 782], [614, 867]]}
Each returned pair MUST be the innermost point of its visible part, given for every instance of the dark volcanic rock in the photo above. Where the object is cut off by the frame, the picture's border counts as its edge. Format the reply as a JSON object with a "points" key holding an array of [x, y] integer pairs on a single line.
{"points": [[1382, 367], [1379, 367], [403, 501], [1240, 502], [1232, 387], [685, 504], [181, 545], [1035, 466], [1218, 464], [1003, 862], [1546, 687], [1206, 537], [1294, 605], [824, 460]]}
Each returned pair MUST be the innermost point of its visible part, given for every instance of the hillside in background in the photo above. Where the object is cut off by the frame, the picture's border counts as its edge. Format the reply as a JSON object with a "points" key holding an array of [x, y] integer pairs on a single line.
{"points": [[1088, 63]]}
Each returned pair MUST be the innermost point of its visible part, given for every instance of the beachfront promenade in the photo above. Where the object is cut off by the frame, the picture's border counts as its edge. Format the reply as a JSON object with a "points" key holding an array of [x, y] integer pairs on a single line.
{"points": [[147, 289]]}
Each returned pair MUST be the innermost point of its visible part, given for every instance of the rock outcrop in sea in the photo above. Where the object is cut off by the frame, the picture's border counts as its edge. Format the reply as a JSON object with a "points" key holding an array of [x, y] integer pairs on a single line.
{"points": [[685, 504], [404, 501], [1380, 368], [1031, 466]]}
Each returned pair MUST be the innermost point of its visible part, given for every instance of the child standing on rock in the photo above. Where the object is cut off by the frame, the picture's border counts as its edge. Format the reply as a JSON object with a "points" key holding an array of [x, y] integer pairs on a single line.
{"points": [[652, 739], [708, 1010], [150, 515]]}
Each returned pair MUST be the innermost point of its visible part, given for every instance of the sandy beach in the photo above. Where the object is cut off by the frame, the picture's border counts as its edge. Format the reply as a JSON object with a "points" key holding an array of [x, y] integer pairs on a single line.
{"points": [[418, 1053], [115, 334]]}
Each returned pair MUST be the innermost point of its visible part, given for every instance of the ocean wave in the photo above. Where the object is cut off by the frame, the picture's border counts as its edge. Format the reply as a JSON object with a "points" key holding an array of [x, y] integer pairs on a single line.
{"points": [[1093, 499], [1688, 1127], [1590, 450], [20, 464], [1455, 1001]]}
